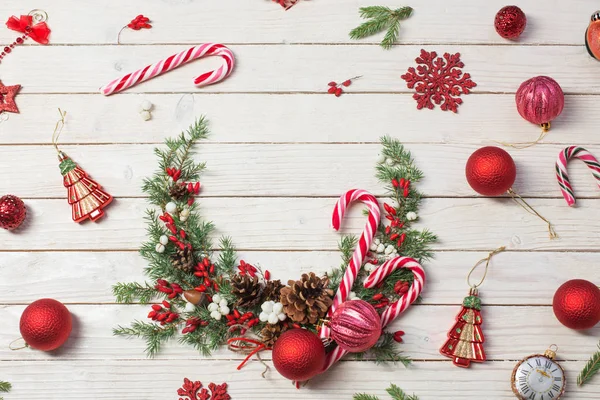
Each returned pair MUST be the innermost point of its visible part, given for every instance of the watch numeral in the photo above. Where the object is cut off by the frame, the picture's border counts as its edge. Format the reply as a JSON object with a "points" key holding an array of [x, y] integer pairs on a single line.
{"points": [[555, 369], [532, 396], [555, 387], [538, 362], [548, 364], [557, 379], [531, 366], [525, 389], [551, 395]]}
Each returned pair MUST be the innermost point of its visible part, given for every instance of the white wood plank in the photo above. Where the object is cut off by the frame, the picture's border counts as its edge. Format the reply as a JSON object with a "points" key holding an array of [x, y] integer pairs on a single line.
{"points": [[291, 118], [425, 330], [509, 280], [161, 379], [571, 66], [285, 169], [304, 224], [248, 21]]}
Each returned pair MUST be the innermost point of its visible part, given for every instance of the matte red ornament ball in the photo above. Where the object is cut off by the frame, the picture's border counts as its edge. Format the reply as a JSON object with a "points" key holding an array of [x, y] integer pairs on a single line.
{"points": [[491, 171], [299, 354], [576, 304], [12, 212], [510, 22], [46, 324]]}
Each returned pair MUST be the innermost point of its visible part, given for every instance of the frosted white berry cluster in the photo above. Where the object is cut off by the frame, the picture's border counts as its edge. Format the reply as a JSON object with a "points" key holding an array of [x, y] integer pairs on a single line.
{"points": [[272, 312]]}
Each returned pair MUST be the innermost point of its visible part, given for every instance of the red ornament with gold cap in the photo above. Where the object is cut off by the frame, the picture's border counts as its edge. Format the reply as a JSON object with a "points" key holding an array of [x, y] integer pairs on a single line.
{"points": [[592, 36]]}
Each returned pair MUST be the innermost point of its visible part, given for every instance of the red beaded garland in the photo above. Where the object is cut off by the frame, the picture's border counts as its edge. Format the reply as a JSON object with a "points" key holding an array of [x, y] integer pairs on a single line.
{"points": [[510, 22]]}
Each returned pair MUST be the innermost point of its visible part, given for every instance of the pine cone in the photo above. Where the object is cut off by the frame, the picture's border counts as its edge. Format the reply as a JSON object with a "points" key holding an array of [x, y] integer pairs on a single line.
{"points": [[272, 290], [247, 289], [306, 300], [178, 190], [183, 260], [270, 333]]}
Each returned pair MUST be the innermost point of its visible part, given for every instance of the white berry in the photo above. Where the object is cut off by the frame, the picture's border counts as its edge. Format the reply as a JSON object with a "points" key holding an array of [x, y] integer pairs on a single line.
{"points": [[411, 216], [277, 308], [373, 247], [189, 307], [377, 241], [222, 302], [381, 248], [183, 219], [163, 240], [267, 306], [224, 310], [216, 298], [216, 315], [281, 316], [160, 248], [263, 316], [381, 158], [213, 307], [171, 207], [369, 267], [145, 106], [389, 249], [273, 319], [352, 295], [185, 212], [146, 116], [389, 161]]}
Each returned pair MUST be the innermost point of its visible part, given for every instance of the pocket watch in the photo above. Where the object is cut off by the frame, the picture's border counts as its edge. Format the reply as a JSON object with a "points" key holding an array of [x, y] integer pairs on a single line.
{"points": [[539, 377]]}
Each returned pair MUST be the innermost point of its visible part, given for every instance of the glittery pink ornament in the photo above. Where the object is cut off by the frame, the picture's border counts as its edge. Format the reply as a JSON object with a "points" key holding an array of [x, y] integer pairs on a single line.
{"points": [[355, 326], [540, 100]]}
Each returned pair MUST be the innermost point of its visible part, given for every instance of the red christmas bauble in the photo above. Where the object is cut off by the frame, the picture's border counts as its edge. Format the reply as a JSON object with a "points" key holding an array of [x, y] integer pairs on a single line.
{"points": [[355, 326], [12, 212], [46, 324], [592, 36], [576, 304], [510, 22], [491, 171], [299, 354], [540, 100]]}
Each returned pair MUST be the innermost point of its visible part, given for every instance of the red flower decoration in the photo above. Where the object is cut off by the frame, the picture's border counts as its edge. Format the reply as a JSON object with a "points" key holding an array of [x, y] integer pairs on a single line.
{"points": [[38, 32], [139, 22], [438, 80], [195, 391]]}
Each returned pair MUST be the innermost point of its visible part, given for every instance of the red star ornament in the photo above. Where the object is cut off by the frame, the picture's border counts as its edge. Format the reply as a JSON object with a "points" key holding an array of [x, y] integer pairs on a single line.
{"points": [[7, 98]]}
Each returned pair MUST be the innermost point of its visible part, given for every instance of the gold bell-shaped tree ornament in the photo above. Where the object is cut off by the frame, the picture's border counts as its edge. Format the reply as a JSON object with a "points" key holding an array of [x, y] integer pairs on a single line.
{"points": [[592, 36]]}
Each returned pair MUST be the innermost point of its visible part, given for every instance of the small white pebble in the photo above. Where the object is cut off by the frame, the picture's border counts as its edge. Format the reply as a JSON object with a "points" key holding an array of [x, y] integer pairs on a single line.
{"points": [[160, 248], [171, 207], [164, 240], [411, 216]]}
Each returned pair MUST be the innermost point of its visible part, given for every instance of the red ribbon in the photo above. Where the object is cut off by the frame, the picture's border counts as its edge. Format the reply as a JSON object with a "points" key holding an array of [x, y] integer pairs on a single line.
{"points": [[38, 32]]}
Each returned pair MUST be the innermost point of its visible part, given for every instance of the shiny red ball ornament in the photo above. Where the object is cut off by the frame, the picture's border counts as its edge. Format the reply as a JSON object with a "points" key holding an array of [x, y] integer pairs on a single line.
{"points": [[592, 36], [12, 212], [576, 304], [510, 22], [355, 326], [540, 100], [299, 354], [491, 171], [46, 324]]}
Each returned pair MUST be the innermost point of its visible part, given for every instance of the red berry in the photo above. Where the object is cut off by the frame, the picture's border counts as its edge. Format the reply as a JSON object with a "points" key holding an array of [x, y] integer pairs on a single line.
{"points": [[332, 90], [338, 92], [332, 83], [347, 83]]}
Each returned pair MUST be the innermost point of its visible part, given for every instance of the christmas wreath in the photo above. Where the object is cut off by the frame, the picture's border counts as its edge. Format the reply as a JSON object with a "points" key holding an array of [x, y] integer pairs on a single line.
{"points": [[204, 295]]}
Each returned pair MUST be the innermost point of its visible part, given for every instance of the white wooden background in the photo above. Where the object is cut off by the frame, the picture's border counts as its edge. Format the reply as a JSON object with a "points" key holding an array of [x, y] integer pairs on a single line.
{"points": [[280, 152]]}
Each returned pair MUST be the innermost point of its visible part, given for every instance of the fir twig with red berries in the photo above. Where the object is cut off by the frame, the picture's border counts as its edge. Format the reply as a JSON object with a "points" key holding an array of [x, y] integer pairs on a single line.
{"points": [[337, 88]]}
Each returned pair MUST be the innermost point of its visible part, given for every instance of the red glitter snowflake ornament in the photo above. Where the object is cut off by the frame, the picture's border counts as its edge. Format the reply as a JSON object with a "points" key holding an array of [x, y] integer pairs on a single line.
{"points": [[194, 391], [438, 80]]}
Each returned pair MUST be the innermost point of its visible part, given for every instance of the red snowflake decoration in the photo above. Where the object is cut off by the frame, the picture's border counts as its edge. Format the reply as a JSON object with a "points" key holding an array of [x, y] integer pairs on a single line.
{"points": [[195, 391], [438, 80]]}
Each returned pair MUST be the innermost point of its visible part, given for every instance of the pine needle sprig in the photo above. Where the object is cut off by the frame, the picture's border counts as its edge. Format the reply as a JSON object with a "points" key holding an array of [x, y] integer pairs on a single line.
{"points": [[134, 292], [380, 18], [393, 390], [154, 335], [591, 368], [385, 351], [5, 387]]}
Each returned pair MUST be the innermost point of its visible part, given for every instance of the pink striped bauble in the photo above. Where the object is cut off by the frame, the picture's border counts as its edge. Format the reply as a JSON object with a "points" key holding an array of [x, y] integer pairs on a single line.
{"points": [[540, 100], [355, 326]]}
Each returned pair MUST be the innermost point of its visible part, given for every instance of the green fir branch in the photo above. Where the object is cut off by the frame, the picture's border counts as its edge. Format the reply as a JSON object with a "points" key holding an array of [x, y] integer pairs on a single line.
{"points": [[385, 351], [154, 335], [590, 369], [5, 387], [208, 338], [380, 18], [132, 292], [393, 390]]}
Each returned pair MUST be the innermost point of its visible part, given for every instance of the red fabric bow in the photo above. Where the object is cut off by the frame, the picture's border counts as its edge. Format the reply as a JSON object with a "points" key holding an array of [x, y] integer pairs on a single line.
{"points": [[139, 22], [38, 32]]}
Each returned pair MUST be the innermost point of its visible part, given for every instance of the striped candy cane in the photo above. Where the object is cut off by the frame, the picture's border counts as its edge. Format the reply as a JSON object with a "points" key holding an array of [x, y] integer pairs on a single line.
{"points": [[396, 308], [561, 169], [360, 253], [174, 61]]}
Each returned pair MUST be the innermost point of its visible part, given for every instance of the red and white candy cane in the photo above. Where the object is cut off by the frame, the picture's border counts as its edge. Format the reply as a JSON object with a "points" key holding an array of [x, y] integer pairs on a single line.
{"points": [[396, 308], [561, 169], [174, 61], [360, 253]]}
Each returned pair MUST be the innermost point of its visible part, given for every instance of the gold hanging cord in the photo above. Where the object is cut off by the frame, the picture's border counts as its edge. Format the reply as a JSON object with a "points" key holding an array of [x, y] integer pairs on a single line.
{"points": [[521, 201], [487, 264], [60, 124], [523, 145]]}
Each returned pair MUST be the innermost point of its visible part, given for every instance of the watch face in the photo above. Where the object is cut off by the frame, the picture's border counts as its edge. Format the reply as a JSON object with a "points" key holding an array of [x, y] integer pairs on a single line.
{"points": [[538, 378]]}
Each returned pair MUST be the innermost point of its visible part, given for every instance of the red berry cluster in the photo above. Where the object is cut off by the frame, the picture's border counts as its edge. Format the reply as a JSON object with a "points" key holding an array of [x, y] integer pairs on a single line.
{"points": [[248, 320], [403, 184], [171, 289], [192, 324], [178, 236], [336, 89], [162, 313], [203, 270], [380, 301], [401, 288], [287, 4], [246, 268], [396, 224], [139, 22], [192, 188], [398, 336]]}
